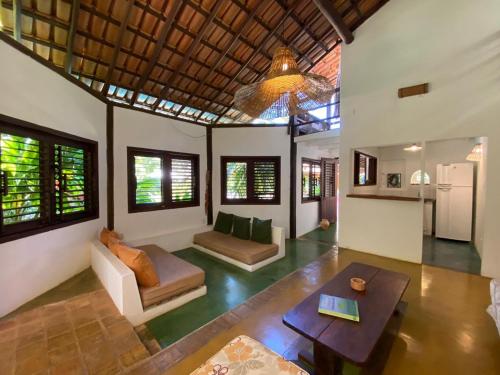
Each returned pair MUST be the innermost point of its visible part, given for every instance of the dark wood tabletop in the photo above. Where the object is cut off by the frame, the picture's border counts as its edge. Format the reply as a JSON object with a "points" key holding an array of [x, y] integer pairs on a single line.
{"points": [[348, 340]]}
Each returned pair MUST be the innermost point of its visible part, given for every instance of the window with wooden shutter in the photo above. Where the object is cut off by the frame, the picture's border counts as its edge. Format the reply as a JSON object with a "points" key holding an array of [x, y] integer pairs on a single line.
{"points": [[311, 180], [48, 179], [250, 180], [161, 180], [183, 179], [21, 179], [236, 180], [365, 169], [328, 178], [148, 180], [71, 187], [264, 182]]}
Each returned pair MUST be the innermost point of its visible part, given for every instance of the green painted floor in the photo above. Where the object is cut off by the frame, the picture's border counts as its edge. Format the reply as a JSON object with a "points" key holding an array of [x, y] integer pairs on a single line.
{"points": [[227, 287], [328, 236], [455, 255]]}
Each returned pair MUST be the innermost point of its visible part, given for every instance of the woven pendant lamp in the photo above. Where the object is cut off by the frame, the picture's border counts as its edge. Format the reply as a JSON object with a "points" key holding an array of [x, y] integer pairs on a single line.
{"points": [[285, 91]]}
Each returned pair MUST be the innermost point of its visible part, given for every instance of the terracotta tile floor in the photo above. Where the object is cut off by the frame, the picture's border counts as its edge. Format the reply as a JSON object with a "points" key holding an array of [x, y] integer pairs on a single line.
{"points": [[83, 335]]}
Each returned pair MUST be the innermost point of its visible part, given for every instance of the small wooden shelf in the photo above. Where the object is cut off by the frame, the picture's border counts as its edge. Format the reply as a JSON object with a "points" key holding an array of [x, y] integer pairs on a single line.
{"points": [[384, 197]]}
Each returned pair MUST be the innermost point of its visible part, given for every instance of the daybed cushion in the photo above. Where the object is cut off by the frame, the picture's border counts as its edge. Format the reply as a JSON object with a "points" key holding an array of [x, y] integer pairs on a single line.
{"points": [[106, 234], [224, 222], [139, 262], [244, 355], [262, 231], [241, 227], [114, 245], [176, 276], [248, 252]]}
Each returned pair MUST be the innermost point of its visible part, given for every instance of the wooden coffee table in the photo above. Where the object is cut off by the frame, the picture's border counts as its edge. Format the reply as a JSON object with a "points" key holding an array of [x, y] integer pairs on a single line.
{"points": [[334, 339]]}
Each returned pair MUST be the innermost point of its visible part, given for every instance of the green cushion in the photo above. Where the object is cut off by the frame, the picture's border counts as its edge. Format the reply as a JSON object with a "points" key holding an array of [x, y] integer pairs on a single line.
{"points": [[262, 231], [241, 227], [224, 223]]}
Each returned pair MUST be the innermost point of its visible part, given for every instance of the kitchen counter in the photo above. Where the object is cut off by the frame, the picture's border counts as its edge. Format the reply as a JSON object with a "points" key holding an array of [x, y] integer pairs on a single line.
{"points": [[385, 197]]}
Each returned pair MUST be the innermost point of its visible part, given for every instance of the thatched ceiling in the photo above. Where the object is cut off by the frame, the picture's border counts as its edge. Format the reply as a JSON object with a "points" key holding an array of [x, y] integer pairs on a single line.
{"points": [[185, 58]]}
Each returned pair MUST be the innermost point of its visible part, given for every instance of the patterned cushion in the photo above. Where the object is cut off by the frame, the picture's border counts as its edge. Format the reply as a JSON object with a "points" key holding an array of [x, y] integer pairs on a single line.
{"points": [[245, 356]]}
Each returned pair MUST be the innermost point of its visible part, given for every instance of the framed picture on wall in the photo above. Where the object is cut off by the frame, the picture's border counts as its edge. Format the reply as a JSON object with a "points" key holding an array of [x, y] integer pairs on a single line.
{"points": [[394, 180]]}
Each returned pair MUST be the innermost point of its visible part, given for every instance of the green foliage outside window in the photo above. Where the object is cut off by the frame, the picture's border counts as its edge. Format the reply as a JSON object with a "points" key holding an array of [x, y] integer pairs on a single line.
{"points": [[148, 174], [20, 166], [236, 180]]}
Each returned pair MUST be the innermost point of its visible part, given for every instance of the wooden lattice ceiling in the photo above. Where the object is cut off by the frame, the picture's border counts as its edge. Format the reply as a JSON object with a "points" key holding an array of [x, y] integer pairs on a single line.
{"points": [[185, 58]]}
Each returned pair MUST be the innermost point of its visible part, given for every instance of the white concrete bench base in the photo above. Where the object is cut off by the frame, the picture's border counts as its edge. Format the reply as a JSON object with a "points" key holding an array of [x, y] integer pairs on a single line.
{"points": [[121, 285], [278, 239], [237, 263]]}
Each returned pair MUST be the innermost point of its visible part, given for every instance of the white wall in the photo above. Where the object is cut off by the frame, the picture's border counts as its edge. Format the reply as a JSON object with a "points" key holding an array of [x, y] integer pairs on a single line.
{"points": [[409, 42], [253, 142], [139, 129], [481, 181], [445, 152], [394, 159], [31, 92]]}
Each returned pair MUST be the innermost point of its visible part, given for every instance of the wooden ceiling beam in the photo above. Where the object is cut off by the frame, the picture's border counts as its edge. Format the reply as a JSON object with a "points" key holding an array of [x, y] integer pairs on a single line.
{"points": [[17, 19], [37, 15], [228, 48], [37, 40], [302, 25], [192, 47], [173, 50], [65, 25], [328, 10], [151, 39], [255, 53], [89, 76], [118, 44], [193, 35], [354, 4], [75, 9], [268, 28], [169, 23], [220, 23], [139, 33]]}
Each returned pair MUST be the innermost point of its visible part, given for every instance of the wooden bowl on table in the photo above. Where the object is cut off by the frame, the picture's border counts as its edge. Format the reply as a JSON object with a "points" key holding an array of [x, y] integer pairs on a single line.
{"points": [[358, 284]]}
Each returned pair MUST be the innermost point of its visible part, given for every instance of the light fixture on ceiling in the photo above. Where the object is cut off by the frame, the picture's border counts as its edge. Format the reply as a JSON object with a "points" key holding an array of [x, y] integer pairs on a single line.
{"points": [[285, 91], [413, 148], [476, 154]]}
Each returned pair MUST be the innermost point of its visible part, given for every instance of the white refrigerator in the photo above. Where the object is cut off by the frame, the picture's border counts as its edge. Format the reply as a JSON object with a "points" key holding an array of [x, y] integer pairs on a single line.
{"points": [[454, 197]]}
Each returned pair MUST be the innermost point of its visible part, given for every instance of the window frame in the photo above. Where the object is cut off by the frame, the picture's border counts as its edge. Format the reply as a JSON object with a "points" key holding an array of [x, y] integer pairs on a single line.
{"points": [[372, 177], [250, 200], [423, 175], [166, 165], [48, 138], [311, 162]]}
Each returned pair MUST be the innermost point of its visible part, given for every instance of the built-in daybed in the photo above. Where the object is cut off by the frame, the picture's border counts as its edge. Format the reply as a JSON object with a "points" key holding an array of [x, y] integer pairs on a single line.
{"points": [[179, 282], [244, 253]]}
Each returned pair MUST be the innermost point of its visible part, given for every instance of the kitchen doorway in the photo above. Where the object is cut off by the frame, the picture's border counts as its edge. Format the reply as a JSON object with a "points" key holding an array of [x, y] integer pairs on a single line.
{"points": [[453, 183]]}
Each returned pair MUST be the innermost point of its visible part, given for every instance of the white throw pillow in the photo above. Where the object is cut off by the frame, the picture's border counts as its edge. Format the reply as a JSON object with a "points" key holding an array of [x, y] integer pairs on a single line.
{"points": [[494, 308]]}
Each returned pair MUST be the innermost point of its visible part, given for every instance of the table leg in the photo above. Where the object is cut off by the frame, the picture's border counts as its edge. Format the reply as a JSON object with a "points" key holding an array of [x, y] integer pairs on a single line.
{"points": [[325, 362]]}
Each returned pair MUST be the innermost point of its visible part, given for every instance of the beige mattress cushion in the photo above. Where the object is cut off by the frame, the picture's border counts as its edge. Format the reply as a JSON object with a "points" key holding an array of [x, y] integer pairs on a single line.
{"points": [[248, 252], [176, 276]]}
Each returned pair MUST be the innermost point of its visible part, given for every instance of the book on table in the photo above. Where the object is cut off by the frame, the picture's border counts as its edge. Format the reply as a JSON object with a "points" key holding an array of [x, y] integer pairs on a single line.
{"points": [[339, 307]]}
